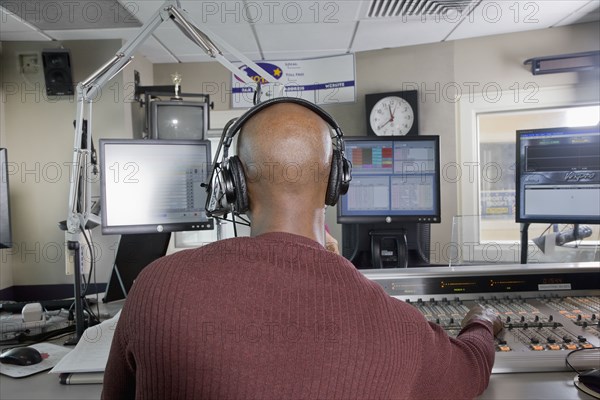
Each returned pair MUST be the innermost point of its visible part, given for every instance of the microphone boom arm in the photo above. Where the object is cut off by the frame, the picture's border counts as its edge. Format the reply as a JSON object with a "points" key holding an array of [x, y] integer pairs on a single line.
{"points": [[79, 202], [88, 89]]}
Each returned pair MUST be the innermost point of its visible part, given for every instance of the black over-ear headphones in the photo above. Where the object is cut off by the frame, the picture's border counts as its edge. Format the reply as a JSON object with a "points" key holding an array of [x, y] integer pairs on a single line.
{"points": [[227, 191]]}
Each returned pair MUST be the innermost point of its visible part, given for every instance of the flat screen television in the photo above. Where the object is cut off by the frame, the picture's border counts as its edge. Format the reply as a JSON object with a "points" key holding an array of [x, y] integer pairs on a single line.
{"points": [[150, 186], [177, 119], [394, 179], [558, 175], [5, 227]]}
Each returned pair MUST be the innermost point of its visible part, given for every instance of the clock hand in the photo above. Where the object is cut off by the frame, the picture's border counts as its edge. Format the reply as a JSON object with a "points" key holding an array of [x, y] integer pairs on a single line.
{"points": [[388, 121], [391, 112]]}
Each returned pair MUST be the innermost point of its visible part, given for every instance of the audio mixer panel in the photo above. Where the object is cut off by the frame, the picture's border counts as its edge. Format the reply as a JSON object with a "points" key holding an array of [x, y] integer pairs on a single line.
{"points": [[548, 310]]}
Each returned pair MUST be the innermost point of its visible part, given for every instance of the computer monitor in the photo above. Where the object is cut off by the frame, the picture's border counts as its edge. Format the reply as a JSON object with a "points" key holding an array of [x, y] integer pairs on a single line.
{"points": [[5, 228], [558, 175], [151, 186], [394, 179], [178, 119], [393, 197]]}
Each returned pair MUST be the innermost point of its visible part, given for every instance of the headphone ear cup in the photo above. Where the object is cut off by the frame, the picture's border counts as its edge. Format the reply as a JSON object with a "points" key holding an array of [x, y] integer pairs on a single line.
{"points": [[239, 182], [335, 177], [346, 176]]}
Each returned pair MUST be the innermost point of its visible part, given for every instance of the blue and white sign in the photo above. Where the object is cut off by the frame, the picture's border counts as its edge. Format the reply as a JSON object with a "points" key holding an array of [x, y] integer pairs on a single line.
{"points": [[327, 80]]}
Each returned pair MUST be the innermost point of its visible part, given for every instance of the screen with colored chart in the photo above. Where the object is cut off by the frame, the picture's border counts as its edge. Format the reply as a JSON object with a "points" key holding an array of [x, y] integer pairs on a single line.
{"points": [[393, 178]]}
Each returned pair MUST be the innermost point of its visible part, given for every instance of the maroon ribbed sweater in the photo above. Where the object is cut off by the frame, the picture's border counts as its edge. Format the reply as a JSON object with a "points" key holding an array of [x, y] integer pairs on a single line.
{"points": [[279, 317]]}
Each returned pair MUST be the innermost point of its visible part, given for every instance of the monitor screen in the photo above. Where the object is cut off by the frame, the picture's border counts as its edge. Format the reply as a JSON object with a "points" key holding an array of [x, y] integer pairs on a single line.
{"points": [[394, 179], [5, 228], [558, 175], [178, 120], [154, 185]]}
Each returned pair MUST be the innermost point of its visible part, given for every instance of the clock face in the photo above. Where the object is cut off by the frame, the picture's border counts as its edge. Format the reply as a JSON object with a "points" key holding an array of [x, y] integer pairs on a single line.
{"points": [[390, 116]]}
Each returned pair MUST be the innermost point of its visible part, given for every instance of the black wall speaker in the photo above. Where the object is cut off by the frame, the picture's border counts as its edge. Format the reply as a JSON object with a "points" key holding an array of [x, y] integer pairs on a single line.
{"points": [[57, 72]]}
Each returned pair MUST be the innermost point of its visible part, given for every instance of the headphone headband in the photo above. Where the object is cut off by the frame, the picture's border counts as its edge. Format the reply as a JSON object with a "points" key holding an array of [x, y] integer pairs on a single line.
{"points": [[237, 125], [227, 188]]}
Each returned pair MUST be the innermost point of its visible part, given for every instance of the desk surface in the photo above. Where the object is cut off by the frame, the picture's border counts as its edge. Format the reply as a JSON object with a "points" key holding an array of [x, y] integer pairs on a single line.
{"points": [[546, 385]]}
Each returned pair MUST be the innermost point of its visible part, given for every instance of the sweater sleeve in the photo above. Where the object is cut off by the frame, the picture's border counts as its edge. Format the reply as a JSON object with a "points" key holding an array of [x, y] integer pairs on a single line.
{"points": [[119, 376], [461, 366]]}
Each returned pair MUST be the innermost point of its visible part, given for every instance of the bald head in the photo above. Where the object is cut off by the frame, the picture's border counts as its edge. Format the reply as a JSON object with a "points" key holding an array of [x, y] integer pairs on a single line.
{"points": [[286, 153]]}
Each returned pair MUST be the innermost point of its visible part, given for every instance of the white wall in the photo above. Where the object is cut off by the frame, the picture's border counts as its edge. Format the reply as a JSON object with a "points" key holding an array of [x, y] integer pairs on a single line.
{"points": [[38, 132]]}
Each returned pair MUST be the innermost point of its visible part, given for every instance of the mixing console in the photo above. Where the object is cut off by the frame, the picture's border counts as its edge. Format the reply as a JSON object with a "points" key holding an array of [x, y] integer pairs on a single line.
{"points": [[540, 326]]}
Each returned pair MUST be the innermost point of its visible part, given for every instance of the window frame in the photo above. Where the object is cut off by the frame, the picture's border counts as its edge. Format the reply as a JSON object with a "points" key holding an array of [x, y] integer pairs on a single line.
{"points": [[468, 166]]}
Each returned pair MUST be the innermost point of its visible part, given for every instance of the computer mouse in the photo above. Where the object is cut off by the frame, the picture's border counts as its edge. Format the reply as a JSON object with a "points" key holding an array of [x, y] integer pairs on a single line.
{"points": [[591, 377], [21, 356]]}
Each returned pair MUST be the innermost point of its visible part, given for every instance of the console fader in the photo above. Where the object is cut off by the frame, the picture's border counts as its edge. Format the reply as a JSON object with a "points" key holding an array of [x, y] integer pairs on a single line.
{"points": [[548, 310]]}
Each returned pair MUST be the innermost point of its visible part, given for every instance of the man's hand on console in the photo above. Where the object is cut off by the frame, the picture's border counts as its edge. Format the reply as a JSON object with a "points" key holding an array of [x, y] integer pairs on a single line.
{"points": [[486, 314], [331, 243]]}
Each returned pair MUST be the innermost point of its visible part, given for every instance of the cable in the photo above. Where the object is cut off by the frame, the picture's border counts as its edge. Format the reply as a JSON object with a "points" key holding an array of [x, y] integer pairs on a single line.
{"points": [[93, 318], [234, 225], [246, 222], [423, 242], [95, 279], [546, 230], [26, 340], [575, 351]]}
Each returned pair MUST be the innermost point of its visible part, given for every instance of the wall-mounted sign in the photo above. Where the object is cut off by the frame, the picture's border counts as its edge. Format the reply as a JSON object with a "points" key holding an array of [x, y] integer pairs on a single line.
{"points": [[327, 80]]}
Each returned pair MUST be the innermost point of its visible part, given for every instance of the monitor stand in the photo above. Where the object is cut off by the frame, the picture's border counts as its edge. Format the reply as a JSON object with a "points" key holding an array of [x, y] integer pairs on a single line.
{"points": [[134, 253], [389, 249]]}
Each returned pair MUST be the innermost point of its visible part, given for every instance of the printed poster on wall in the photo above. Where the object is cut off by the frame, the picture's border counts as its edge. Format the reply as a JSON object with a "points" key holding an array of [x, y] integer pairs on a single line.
{"points": [[326, 80]]}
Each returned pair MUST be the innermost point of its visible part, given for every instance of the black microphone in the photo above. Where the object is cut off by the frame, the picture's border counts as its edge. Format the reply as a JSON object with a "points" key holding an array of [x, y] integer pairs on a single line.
{"points": [[578, 232]]}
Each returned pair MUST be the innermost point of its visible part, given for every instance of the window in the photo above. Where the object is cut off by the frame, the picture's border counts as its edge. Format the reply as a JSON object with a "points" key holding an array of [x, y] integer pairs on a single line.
{"points": [[485, 220]]}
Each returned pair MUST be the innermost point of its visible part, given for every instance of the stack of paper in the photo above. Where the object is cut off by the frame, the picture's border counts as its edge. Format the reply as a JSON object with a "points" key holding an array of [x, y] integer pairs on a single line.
{"points": [[87, 362]]}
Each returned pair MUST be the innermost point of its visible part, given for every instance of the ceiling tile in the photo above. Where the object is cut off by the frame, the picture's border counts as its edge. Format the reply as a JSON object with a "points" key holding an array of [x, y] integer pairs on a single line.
{"points": [[89, 34], [588, 13], [299, 55], [142, 10], [63, 15], [214, 13], [305, 37], [12, 23], [195, 58], [23, 36], [153, 50], [493, 17], [239, 36], [381, 34]]}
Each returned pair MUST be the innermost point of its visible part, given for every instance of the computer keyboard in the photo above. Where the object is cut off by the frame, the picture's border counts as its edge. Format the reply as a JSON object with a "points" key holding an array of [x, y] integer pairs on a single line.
{"points": [[46, 304]]}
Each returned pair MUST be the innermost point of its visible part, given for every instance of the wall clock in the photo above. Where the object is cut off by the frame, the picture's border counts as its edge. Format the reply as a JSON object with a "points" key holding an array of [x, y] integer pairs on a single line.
{"points": [[392, 113]]}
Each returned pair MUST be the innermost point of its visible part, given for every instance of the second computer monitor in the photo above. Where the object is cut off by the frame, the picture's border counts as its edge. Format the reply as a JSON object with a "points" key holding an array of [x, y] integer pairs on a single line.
{"points": [[394, 179]]}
